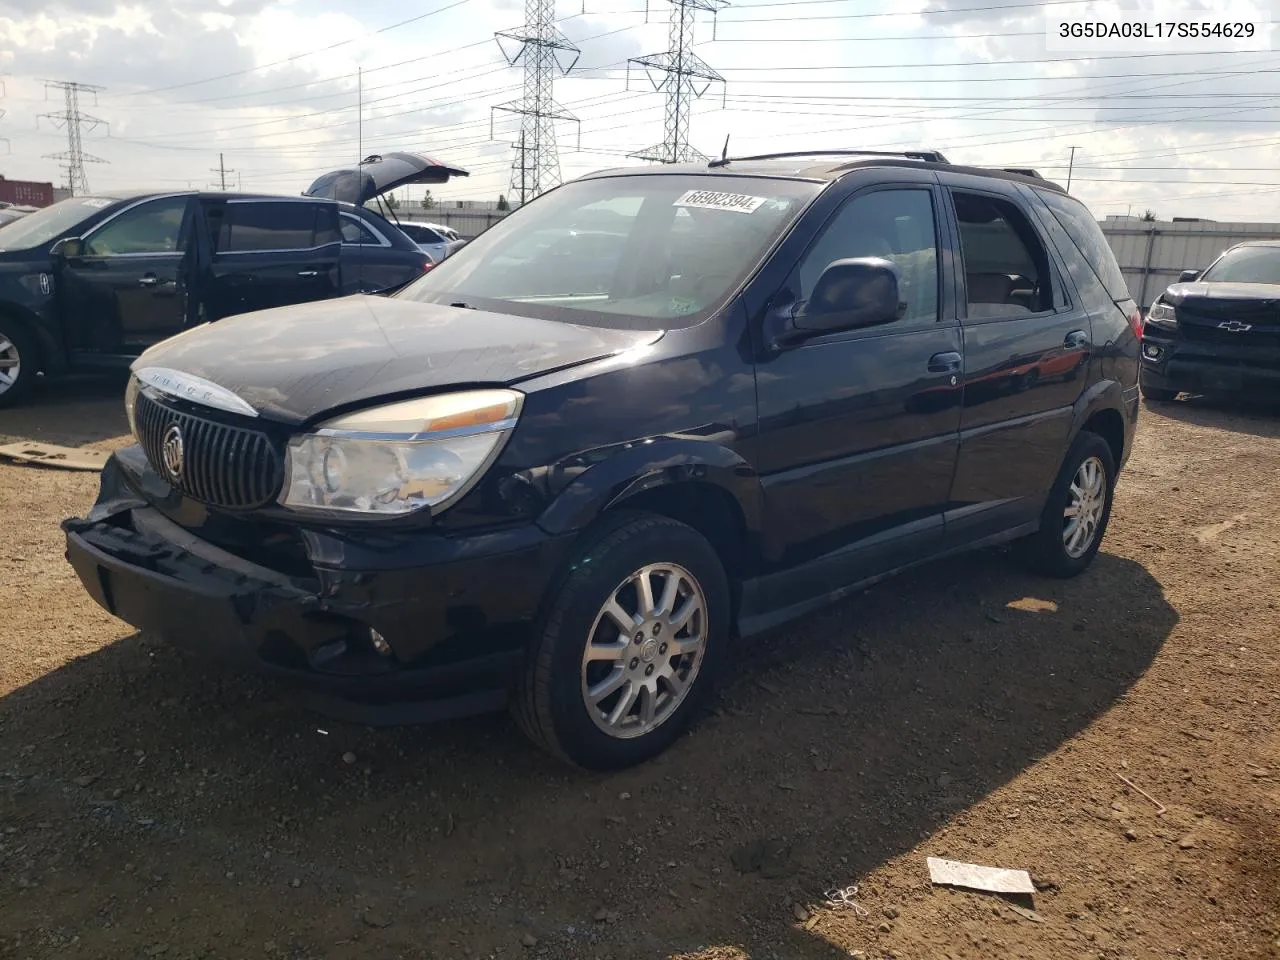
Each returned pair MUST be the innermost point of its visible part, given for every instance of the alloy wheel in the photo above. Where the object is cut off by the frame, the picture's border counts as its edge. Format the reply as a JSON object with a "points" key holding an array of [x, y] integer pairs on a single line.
{"points": [[644, 650], [10, 364], [1086, 503]]}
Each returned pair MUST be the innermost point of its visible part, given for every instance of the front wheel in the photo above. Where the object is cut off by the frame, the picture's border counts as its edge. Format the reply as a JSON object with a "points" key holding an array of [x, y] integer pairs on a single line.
{"points": [[1077, 511], [17, 362], [629, 647]]}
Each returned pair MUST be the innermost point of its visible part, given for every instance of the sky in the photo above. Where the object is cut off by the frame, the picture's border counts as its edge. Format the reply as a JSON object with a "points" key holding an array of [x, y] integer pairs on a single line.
{"points": [[271, 85]]}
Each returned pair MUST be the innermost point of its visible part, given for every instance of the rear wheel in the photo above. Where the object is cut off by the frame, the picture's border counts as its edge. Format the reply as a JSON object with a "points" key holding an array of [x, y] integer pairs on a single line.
{"points": [[17, 362], [1077, 511], [629, 647]]}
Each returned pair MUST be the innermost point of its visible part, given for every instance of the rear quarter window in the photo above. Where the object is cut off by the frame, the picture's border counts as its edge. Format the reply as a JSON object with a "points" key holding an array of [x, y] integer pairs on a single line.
{"points": [[1083, 229]]}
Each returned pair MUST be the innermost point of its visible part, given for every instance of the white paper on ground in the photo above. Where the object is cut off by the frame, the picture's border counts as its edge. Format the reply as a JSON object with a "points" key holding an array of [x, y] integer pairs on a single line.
{"points": [[992, 879]]}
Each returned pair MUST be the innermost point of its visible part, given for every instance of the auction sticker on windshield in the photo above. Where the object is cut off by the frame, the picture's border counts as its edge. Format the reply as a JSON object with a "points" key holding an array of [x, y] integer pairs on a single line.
{"points": [[714, 200]]}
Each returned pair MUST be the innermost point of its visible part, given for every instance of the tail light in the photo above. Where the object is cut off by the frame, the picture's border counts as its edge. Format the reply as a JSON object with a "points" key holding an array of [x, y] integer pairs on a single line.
{"points": [[1135, 320], [426, 267]]}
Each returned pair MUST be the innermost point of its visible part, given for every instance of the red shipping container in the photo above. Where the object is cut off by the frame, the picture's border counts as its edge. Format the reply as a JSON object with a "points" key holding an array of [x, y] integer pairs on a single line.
{"points": [[26, 192]]}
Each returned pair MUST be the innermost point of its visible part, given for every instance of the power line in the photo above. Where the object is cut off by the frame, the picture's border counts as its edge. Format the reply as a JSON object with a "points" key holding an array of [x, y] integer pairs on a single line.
{"points": [[294, 58], [74, 121]]}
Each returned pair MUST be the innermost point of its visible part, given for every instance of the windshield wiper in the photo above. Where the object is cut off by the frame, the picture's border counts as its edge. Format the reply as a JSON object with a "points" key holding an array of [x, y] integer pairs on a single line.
{"points": [[462, 304]]}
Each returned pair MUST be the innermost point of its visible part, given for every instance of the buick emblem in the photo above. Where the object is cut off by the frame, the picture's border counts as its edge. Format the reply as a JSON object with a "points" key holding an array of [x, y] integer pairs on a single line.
{"points": [[171, 453], [1235, 326]]}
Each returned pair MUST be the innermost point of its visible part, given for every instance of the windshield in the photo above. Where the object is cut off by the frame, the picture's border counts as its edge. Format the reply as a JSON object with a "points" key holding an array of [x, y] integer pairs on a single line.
{"points": [[1241, 265], [621, 251], [38, 228]]}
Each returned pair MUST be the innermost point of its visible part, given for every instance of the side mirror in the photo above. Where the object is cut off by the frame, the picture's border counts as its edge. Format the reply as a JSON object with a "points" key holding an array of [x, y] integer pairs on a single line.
{"points": [[68, 248], [1187, 276], [853, 293]]}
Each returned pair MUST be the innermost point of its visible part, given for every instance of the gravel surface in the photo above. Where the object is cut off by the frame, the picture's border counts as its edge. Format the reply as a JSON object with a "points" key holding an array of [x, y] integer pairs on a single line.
{"points": [[155, 806]]}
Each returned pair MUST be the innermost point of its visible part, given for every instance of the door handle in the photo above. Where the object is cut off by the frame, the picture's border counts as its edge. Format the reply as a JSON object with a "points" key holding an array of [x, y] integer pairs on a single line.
{"points": [[308, 273], [948, 362], [1076, 340], [150, 280]]}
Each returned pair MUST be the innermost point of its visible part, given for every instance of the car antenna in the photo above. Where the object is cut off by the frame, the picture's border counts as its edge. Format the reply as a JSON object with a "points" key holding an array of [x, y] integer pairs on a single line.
{"points": [[724, 154]]}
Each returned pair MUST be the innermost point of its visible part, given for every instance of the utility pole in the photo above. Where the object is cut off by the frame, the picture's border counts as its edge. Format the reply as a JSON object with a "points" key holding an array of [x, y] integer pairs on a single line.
{"points": [[545, 51], [74, 121], [1071, 164], [222, 171], [684, 75]]}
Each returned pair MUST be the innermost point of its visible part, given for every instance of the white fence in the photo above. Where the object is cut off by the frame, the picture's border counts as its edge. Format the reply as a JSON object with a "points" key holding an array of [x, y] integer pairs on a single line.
{"points": [[1153, 254]]}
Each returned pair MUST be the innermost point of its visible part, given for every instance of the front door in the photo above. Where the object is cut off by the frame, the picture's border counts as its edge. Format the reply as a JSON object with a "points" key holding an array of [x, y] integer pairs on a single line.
{"points": [[859, 429], [128, 289], [271, 252], [1027, 348]]}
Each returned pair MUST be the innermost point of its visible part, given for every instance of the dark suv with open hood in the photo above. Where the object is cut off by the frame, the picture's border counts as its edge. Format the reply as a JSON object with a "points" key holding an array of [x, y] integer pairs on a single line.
{"points": [[91, 282], [1218, 331], [649, 413]]}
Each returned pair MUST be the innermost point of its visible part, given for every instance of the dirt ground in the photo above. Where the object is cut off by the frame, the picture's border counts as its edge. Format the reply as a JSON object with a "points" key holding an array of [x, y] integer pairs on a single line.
{"points": [[152, 806]]}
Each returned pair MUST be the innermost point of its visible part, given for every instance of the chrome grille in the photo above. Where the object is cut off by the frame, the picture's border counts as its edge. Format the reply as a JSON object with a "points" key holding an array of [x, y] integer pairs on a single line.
{"points": [[223, 465]]}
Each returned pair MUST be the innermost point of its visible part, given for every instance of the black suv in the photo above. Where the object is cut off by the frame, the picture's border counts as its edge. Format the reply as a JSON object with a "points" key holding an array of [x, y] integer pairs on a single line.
{"points": [[91, 282], [575, 482], [1217, 332]]}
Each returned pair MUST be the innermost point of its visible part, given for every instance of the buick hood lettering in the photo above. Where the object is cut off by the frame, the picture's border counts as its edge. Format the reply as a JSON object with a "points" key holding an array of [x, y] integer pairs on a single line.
{"points": [[187, 386]]}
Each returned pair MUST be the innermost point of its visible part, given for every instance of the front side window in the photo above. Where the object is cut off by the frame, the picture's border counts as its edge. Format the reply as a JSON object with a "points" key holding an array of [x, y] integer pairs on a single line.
{"points": [[626, 251], [269, 225], [1006, 268], [153, 227], [1246, 265], [896, 225]]}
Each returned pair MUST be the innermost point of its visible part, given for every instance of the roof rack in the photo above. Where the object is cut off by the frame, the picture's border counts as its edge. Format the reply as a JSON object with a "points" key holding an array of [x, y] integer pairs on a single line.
{"points": [[1024, 171], [929, 156]]}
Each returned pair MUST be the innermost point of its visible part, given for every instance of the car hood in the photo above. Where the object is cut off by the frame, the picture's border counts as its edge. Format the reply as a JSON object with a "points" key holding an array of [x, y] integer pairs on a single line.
{"points": [[296, 363], [378, 174], [1211, 290]]}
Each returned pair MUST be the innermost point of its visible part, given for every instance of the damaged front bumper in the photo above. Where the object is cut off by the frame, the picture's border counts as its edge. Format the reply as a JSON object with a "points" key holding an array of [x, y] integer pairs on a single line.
{"points": [[446, 624]]}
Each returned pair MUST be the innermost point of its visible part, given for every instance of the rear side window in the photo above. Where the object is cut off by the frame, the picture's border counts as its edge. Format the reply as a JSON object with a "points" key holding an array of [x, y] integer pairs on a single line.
{"points": [[287, 225], [1089, 240], [1006, 268]]}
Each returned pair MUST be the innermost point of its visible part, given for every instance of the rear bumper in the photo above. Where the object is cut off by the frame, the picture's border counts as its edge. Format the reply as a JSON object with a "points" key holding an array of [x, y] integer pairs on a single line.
{"points": [[455, 629]]}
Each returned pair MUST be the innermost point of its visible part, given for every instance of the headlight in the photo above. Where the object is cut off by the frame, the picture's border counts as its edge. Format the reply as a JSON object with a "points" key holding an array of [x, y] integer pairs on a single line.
{"points": [[131, 403], [1162, 315], [394, 459]]}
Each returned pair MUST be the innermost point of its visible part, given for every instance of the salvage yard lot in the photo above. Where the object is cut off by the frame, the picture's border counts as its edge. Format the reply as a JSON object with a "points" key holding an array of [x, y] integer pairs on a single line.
{"points": [[152, 806]]}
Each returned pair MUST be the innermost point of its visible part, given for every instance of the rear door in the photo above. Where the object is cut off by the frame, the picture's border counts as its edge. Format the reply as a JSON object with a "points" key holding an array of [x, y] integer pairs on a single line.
{"points": [[129, 289], [1027, 346], [271, 252]]}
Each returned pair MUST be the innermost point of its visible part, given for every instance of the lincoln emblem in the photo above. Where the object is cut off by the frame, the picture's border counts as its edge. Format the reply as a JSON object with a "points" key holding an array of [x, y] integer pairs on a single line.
{"points": [[171, 453]]}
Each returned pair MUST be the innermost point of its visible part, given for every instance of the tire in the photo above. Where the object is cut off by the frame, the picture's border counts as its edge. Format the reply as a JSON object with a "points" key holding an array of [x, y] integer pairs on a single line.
{"points": [[17, 352], [1157, 394], [1051, 550], [552, 699]]}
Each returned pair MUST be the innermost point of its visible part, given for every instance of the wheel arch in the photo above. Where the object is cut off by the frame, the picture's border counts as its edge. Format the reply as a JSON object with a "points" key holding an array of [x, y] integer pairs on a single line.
{"points": [[47, 346], [698, 482], [1100, 410]]}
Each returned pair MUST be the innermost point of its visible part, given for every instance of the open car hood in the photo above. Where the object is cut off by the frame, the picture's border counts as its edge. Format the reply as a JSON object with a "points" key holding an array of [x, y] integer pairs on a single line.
{"points": [[378, 174]]}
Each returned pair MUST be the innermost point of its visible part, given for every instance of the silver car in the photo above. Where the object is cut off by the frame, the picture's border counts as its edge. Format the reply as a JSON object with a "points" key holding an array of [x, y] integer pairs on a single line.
{"points": [[435, 241]]}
